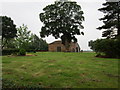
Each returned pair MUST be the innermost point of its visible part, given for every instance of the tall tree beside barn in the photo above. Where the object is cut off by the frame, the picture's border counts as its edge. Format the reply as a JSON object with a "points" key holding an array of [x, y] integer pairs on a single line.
{"points": [[63, 19], [111, 19]]}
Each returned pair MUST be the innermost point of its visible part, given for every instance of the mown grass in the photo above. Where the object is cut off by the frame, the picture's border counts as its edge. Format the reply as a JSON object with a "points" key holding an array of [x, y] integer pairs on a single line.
{"points": [[60, 70]]}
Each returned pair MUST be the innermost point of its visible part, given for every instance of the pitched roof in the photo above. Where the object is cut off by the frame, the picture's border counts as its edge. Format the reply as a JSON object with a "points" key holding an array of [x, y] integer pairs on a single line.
{"points": [[55, 41]]}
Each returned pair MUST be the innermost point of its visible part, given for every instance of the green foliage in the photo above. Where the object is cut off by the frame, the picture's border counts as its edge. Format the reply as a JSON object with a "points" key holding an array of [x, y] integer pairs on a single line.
{"points": [[8, 29], [111, 19], [23, 38], [62, 20], [9, 43], [38, 43], [43, 45], [35, 42], [9, 51], [22, 52], [109, 47]]}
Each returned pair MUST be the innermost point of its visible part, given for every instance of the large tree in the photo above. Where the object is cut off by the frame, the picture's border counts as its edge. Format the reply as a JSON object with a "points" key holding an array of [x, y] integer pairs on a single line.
{"points": [[63, 19], [111, 19], [9, 30]]}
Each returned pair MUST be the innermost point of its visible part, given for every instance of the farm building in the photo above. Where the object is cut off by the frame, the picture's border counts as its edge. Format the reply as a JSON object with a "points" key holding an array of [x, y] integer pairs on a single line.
{"points": [[57, 46]]}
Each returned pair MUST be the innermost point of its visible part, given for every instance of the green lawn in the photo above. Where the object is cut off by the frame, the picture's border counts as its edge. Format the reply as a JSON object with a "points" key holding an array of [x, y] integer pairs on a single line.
{"points": [[60, 70]]}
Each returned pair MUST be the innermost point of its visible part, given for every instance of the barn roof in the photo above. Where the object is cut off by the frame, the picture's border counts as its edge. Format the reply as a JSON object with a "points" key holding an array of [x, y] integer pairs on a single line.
{"points": [[57, 41], [54, 42]]}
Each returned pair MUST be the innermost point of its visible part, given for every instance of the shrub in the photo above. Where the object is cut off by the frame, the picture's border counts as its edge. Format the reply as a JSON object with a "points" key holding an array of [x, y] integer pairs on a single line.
{"points": [[34, 51], [22, 52], [9, 51], [109, 47]]}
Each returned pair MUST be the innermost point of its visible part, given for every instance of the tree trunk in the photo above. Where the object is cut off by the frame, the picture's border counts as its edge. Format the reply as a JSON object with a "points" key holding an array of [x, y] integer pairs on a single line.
{"points": [[67, 45]]}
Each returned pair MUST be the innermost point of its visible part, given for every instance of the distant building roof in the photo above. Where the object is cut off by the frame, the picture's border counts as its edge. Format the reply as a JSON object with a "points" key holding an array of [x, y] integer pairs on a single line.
{"points": [[55, 41]]}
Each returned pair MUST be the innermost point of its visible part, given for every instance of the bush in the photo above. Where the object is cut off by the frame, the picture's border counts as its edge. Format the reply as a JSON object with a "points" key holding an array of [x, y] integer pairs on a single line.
{"points": [[30, 50], [14, 51], [22, 52], [109, 47], [9, 51], [34, 51]]}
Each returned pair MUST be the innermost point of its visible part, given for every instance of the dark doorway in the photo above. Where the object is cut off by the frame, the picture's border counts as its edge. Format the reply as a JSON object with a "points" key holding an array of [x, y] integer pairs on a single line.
{"points": [[58, 49]]}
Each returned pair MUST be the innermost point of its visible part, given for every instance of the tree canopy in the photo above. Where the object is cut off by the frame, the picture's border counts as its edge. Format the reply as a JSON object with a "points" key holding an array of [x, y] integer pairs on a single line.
{"points": [[23, 37], [8, 27], [111, 19], [62, 20], [7, 30], [38, 43]]}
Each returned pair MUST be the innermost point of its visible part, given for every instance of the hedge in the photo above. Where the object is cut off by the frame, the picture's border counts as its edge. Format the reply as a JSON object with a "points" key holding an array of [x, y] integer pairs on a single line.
{"points": [[9, 51], [12, 51]]}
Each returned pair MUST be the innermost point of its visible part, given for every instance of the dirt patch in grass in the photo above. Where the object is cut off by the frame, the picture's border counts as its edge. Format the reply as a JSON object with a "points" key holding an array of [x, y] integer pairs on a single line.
{"points": [[83, 74], [30, 55], [111, 75], [8, 73], [81, 63], [38, 74], [89, 80], [21, 56]]}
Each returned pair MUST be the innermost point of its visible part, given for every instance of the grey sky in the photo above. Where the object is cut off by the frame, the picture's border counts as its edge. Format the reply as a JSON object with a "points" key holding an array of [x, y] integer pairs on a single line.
{"points": [[27, 12]]}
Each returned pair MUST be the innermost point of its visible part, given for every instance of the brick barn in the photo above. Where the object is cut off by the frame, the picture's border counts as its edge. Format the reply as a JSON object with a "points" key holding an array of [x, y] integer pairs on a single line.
{"points": [[57, 46]]}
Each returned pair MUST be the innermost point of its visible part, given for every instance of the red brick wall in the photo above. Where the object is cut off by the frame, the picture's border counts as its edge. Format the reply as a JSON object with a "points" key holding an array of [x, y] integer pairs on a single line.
{"points": [[53, 46]]}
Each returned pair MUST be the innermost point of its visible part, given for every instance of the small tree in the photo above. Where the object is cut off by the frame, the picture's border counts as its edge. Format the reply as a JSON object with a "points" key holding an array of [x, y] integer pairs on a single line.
{"points": [[23, 37], [63, 19]]}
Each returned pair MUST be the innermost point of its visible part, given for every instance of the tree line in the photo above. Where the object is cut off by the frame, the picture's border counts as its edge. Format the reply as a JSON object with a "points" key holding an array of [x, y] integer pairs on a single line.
{"points": [[19, 38]]}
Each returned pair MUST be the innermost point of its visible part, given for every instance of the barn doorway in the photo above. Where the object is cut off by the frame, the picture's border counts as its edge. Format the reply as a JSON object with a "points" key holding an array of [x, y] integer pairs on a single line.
{"points": [[58, 49]]}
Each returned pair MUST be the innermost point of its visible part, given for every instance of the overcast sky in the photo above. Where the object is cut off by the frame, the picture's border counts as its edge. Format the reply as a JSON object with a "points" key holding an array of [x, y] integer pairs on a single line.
{"points": [[27, 12]]}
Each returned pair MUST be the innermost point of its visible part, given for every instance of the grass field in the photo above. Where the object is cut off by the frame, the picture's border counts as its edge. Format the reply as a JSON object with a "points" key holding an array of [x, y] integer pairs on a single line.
{"points": [[60, 70]]}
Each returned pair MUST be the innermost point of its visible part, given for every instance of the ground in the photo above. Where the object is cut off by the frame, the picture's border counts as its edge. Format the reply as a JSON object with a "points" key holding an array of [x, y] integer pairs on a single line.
{"points": [[60, 70]]}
